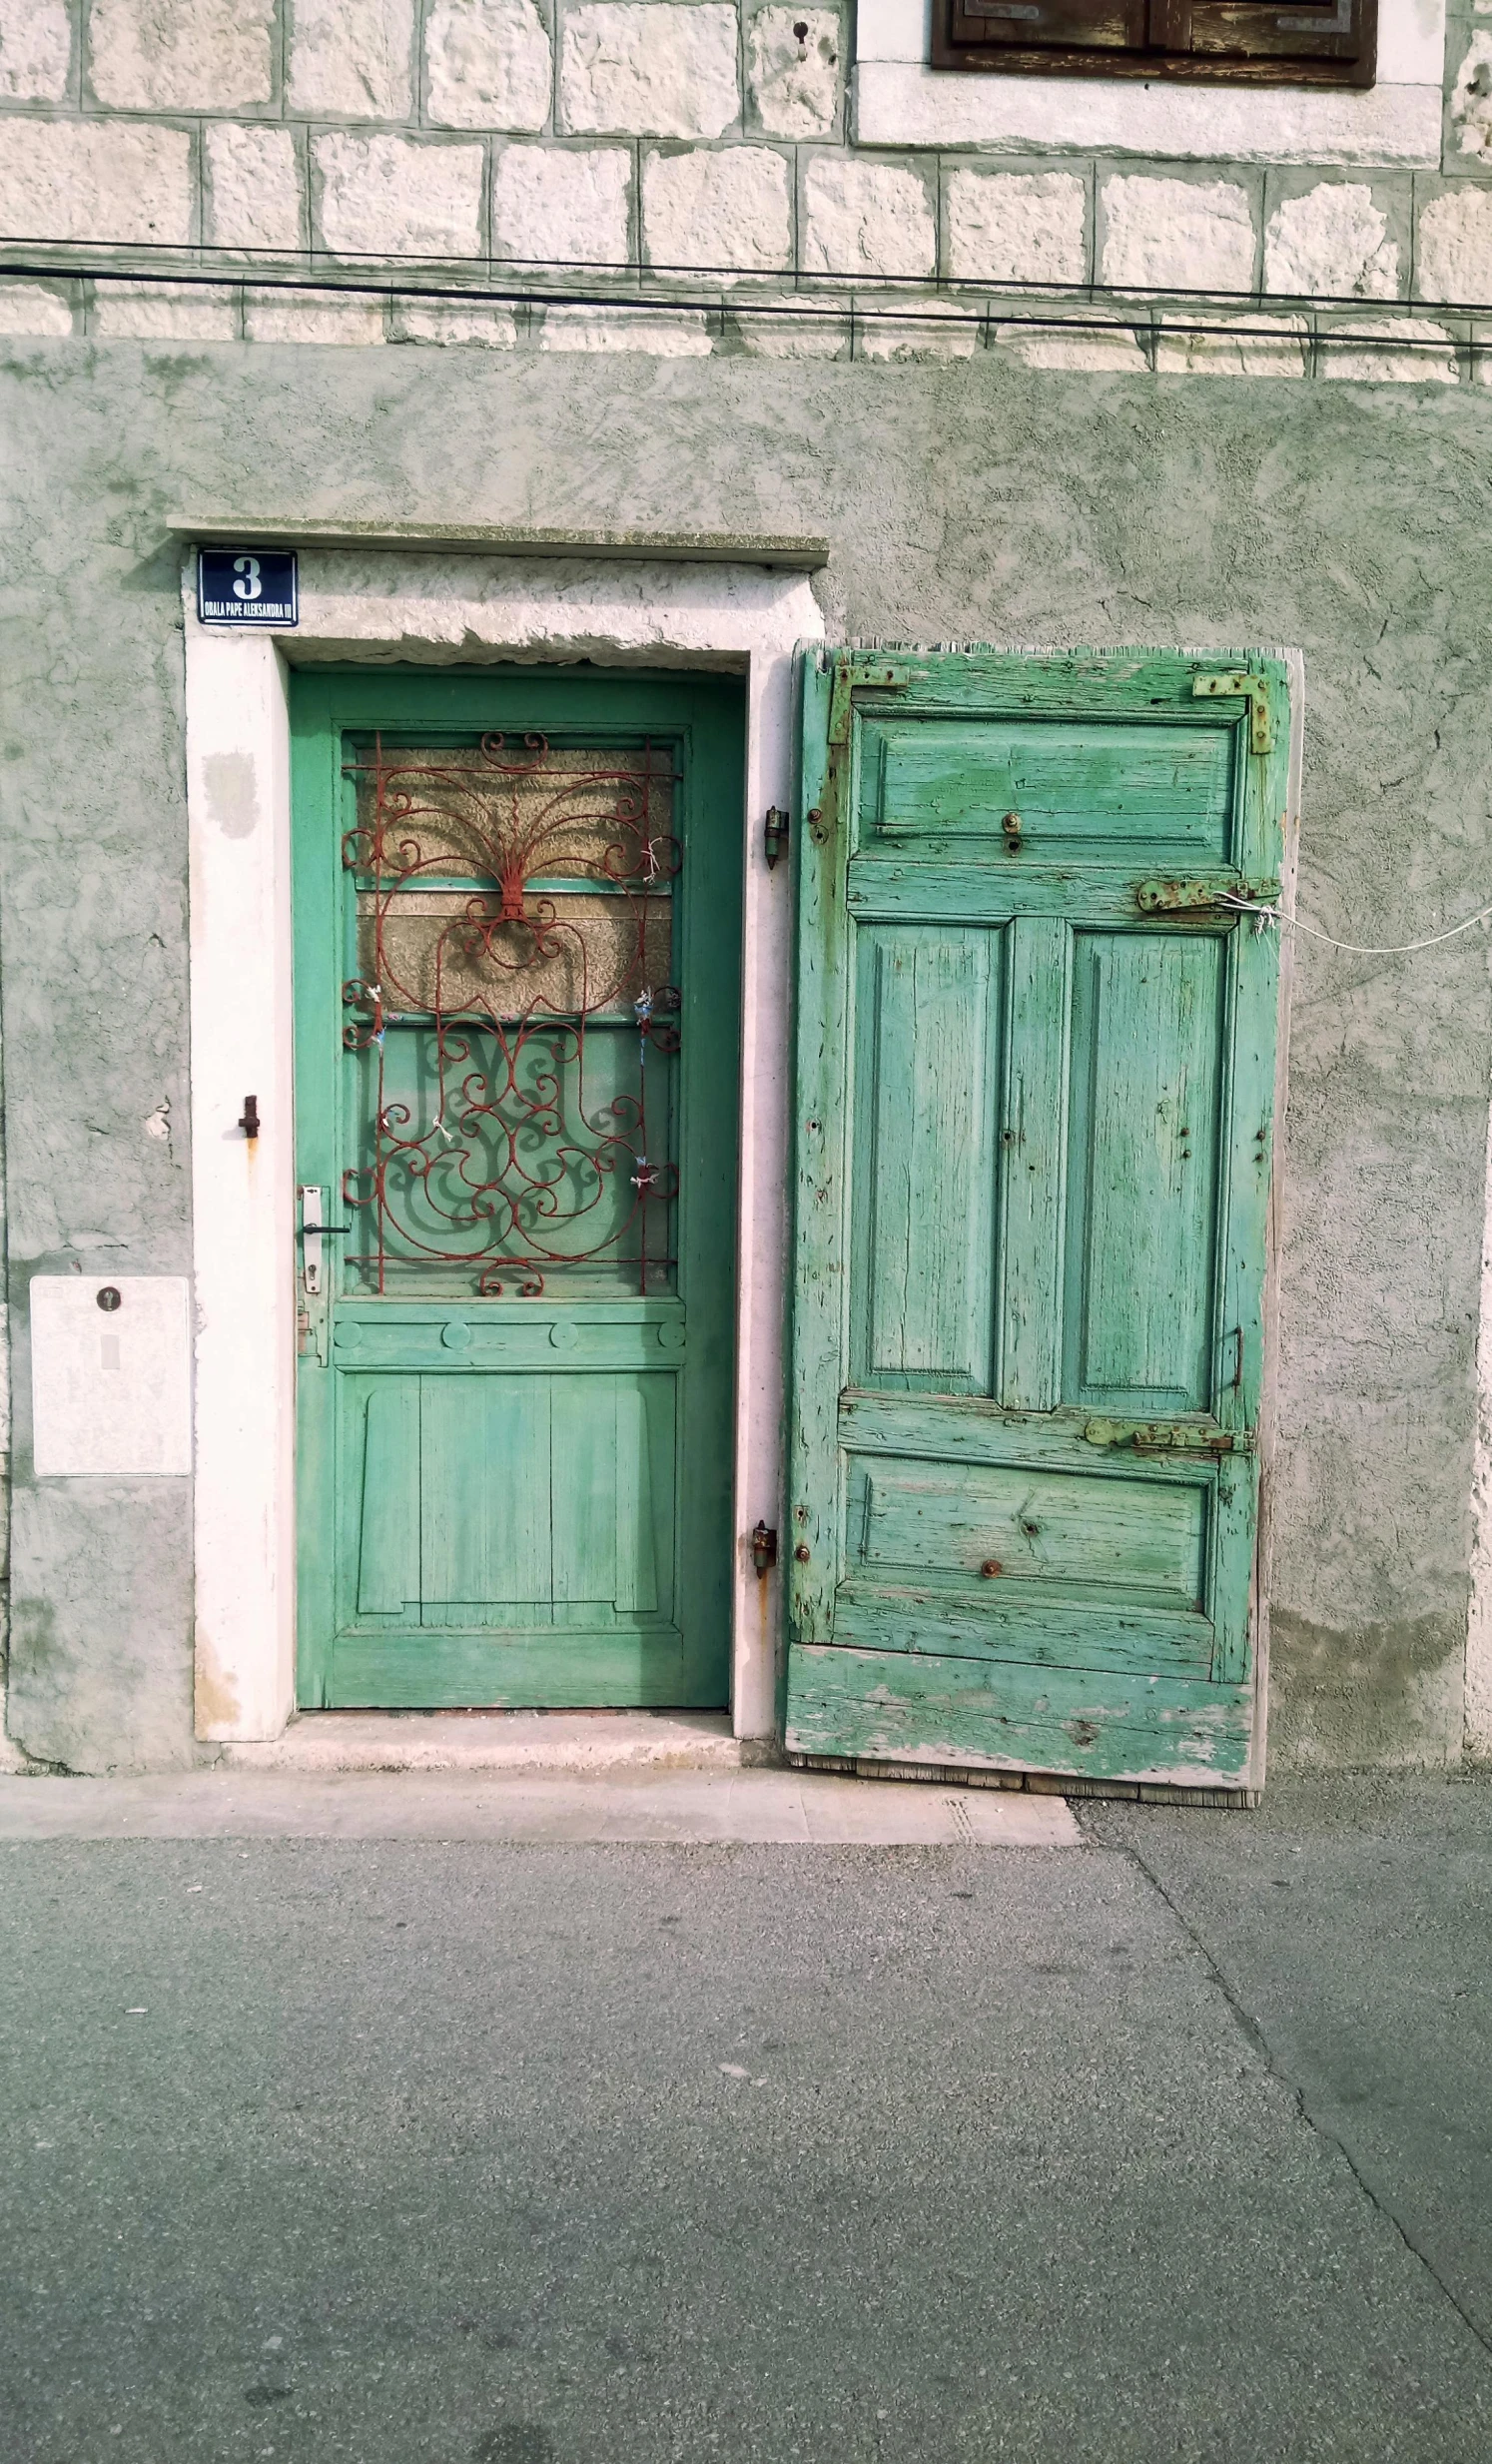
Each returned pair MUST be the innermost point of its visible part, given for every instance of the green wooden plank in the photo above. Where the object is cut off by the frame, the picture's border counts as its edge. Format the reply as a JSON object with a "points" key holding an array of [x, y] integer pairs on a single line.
{"points": [[927, 1038], [583, 1484], [388, 1531], [1034, 1182], [1082, 684], [1007, 1524], [1068, 780], [970, 1432], [485, 1493], [1248, 1161], [520, 1669], [421, 1346], [1147, 1077], [1105, 1724], [639, 1403], [945, 888], [819, 1303], [1046, 1633]]}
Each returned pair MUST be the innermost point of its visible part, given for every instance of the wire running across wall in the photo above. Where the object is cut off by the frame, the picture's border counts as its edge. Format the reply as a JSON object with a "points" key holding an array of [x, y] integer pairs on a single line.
{"points": [[1268, 914], [880, 300]]}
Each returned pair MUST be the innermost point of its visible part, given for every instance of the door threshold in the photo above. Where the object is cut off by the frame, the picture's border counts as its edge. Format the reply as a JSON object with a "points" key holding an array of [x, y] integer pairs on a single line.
{"points": [[520, 1740]]}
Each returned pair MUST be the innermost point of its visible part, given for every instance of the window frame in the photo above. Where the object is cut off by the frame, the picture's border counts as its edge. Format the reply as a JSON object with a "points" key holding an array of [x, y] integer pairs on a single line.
{"points": [[952, 48]]}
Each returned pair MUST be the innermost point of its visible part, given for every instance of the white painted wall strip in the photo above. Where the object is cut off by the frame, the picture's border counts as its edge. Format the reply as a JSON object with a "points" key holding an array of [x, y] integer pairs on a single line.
{"points": [[237, 808]]}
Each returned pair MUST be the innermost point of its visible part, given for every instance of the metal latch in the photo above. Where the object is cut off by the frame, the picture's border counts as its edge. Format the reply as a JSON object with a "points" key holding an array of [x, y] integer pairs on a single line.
{"points": [[1174, 898], [1236, 684], [1168, 1437]]}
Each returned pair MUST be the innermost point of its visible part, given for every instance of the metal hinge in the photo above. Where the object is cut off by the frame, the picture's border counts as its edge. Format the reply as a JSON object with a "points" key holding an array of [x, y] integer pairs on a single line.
{"points": [[1233, 684], [1168, 1437]]}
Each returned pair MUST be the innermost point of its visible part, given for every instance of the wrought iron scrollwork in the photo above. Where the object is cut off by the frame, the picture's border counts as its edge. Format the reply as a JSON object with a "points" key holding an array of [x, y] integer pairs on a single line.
{"points": [[512, 1009]]}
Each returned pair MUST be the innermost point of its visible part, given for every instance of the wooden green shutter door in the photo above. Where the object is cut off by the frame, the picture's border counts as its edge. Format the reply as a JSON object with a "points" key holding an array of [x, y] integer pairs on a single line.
{"points": [[1034, 1090]]}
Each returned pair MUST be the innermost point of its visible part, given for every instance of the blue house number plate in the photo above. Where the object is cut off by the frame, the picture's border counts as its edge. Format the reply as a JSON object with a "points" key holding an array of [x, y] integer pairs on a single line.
{"points": [[239, 586]]}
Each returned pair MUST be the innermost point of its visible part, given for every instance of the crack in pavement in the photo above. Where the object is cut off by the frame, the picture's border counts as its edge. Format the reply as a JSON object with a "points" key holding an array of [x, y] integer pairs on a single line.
{"points": [[1254, 2036]]}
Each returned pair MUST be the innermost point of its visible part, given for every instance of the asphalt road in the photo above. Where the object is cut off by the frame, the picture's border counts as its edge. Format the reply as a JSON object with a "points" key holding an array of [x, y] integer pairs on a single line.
{"points": [[1173, 2145]]}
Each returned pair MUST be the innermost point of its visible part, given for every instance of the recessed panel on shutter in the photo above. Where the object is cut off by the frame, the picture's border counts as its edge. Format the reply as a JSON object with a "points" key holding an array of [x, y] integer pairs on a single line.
{"points": [[1303, 42], [1112, 25], [1307, 30]]}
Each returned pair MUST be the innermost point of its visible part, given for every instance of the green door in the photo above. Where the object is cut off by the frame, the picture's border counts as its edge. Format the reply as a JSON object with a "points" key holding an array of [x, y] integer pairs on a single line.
{"points": [[1035, 1106], [518, 910]]}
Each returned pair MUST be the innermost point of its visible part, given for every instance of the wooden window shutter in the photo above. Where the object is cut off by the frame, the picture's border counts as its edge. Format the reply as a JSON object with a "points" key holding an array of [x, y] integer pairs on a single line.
{"points": [[1302, 42]]}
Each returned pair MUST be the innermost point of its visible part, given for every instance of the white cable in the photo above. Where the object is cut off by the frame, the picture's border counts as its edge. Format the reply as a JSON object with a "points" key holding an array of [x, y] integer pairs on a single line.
{"points": [[1357, 949]]}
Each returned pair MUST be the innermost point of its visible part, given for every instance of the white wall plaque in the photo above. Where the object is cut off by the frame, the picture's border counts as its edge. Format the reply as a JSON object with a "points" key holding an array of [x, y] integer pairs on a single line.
{"points": [[110, 1377]]}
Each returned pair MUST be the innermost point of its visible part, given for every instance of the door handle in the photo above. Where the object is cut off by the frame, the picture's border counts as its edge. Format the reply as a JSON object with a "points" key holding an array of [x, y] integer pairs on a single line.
{"points": [[313, 1232]]}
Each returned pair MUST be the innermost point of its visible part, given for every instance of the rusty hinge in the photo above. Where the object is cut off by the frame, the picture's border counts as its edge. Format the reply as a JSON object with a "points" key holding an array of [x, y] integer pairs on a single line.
{"points": [[1168, 1437], [1174, 898], [851, 675], [860, 675], [1236, 684]]}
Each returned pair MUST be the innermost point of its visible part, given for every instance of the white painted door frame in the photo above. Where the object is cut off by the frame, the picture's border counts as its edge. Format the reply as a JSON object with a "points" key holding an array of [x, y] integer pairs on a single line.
{"points": [[433, 608]]}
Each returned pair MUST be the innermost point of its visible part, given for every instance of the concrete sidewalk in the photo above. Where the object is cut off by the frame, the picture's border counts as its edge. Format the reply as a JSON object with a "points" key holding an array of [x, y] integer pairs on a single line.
{"points": [[662, 1807], [385, 2148]]}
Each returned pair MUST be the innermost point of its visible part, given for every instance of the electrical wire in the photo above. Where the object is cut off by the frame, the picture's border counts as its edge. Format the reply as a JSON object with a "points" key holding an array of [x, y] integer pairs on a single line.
{"points": [[811, 296], [1356, 949]]}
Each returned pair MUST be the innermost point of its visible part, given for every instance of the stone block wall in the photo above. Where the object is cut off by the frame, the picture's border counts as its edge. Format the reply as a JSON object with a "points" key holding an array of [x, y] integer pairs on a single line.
{"points": [[725, 139], [596, 135]]}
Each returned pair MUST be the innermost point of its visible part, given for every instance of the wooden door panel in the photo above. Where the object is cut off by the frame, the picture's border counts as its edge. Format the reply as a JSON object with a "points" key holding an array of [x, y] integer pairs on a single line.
{"points": [[1090, 791], [926, 1147], [1026, 1630], [970, 1528], [1100, 1724], [612, 1462], [1143, 1178], [512, 1669], [388, 1564], [485, 1498]]}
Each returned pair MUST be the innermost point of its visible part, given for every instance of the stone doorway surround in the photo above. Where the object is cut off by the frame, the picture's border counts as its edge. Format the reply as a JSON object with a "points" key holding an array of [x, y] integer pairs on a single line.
{"points": [[437, 598]]}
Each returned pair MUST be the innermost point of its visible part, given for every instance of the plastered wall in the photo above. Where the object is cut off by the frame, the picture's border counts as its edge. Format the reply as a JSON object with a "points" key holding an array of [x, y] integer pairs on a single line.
{"points": [[976, 498]]}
